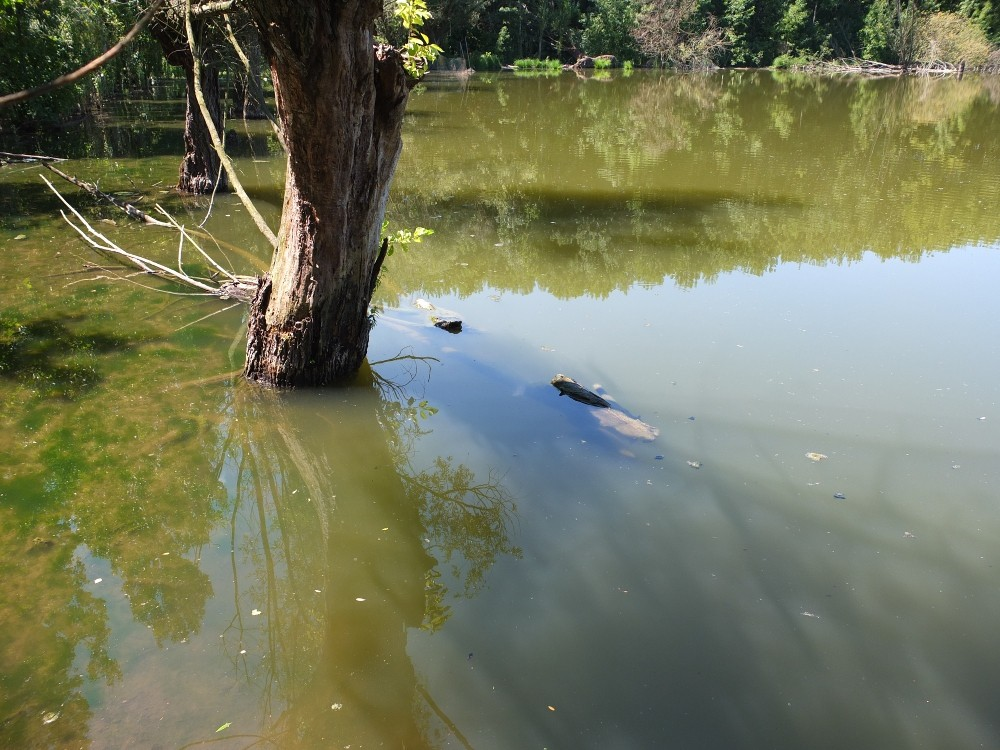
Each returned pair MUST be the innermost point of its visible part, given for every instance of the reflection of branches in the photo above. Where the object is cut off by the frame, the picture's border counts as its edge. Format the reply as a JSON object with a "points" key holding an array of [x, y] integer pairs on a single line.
{"points": [[466, 520], [391, 388], [336, 582]]}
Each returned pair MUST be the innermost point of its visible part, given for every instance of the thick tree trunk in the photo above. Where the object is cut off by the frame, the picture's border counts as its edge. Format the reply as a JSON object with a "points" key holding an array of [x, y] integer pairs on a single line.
{"points": [[340, 101], [199, 169]]}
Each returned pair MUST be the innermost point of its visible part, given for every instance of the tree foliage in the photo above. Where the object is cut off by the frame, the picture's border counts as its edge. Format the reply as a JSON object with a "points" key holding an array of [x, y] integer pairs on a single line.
{"points": [[673, 32], [42, 40]]}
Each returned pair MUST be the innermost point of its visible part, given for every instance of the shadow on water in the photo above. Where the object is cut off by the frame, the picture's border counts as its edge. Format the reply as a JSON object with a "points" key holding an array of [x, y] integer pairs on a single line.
{"points": [[38, 353]]}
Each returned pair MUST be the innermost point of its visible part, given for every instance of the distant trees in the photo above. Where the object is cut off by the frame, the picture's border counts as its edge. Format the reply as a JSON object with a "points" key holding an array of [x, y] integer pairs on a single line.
{"points": [[39, 40], [609, 29], [690, 33], [673, 33]]}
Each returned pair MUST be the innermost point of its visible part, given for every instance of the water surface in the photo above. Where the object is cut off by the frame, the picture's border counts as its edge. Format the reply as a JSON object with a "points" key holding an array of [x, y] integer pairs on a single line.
{"points": [[447, 554]]}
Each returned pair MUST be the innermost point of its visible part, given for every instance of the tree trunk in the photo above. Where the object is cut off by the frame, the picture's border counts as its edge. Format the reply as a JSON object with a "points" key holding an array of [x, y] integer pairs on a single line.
{"points": [[249, 100], [200, 167], [340, 101]]}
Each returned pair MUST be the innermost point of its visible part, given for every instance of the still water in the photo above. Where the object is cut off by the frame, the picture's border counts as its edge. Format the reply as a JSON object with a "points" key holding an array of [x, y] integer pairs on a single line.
{"points": [[793, 279]]}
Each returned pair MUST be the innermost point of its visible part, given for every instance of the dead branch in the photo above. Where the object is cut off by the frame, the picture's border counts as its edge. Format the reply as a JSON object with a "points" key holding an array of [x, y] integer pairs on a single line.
{"points": [[241, 288], [212, 8], [97, 62], [854, 65], [91, 188], [7, 157]]}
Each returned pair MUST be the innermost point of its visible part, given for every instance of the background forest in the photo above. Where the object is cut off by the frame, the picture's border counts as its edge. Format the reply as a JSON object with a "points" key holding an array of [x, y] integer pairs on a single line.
{"points": [[40, 39]]}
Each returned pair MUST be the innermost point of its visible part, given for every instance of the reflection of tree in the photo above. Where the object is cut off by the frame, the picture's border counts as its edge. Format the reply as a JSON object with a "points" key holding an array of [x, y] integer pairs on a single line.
{"points": [[48, 621], [584, 189], [89, 484], [331, 529]]}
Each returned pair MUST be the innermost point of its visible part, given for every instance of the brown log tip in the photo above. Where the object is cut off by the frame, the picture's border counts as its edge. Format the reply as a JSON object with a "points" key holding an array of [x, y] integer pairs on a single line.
{"points": [[569, 387], [451, 325]]}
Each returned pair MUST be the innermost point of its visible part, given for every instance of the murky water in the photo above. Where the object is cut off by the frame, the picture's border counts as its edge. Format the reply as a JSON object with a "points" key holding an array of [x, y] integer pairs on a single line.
{"points": [[792, 279]]}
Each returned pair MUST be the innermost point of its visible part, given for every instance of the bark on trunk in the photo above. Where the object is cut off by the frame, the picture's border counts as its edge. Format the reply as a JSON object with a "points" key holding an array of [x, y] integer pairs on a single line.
{"points": [[340, 101], [249, 100], [200, 167]]}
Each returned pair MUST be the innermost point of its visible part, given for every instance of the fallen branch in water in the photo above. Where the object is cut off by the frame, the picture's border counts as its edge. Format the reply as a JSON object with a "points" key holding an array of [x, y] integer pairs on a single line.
{"points": [[855, 65], [6, 157], [241, 288], [91, 188]]}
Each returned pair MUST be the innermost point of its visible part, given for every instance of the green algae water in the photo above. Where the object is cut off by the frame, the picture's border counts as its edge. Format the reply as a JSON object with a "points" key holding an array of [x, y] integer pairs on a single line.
{"points": [[793, 279]]}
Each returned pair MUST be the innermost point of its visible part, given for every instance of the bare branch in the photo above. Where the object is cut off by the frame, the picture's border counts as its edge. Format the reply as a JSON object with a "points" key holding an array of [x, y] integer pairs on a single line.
{"points": [[87, 69], [240, 288], [212, 8], [7, 157], [128, 208]]}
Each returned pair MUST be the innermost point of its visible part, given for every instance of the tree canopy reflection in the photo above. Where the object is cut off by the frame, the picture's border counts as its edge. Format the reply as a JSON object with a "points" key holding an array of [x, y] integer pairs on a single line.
{"points": [[581, 188], [343, 537], [338, 541]]}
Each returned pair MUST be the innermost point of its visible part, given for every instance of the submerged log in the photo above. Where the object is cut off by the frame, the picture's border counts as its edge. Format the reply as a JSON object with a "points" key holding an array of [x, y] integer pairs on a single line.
{"points": [[449, 324], [569, 387], [608, 414]]}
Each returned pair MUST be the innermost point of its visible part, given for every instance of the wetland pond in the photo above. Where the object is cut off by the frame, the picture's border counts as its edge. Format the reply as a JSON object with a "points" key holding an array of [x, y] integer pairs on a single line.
{"points": [[793, 279]]}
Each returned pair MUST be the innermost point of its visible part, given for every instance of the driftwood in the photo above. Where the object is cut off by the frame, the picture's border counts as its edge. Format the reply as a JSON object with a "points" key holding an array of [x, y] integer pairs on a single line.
{"points": [[443, 319], [585, 61], [854, 65], [447, 324], [608, 414]]}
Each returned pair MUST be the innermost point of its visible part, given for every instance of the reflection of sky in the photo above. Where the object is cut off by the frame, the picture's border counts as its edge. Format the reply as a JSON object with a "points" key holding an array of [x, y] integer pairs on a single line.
{"points": [[742, 603]]}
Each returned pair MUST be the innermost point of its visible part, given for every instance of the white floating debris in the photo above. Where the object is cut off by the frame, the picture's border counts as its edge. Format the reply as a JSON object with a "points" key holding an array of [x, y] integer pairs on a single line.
{"points": [[815, 456], [254, 612], [810, 614], [98, 580], [359, 599]]}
